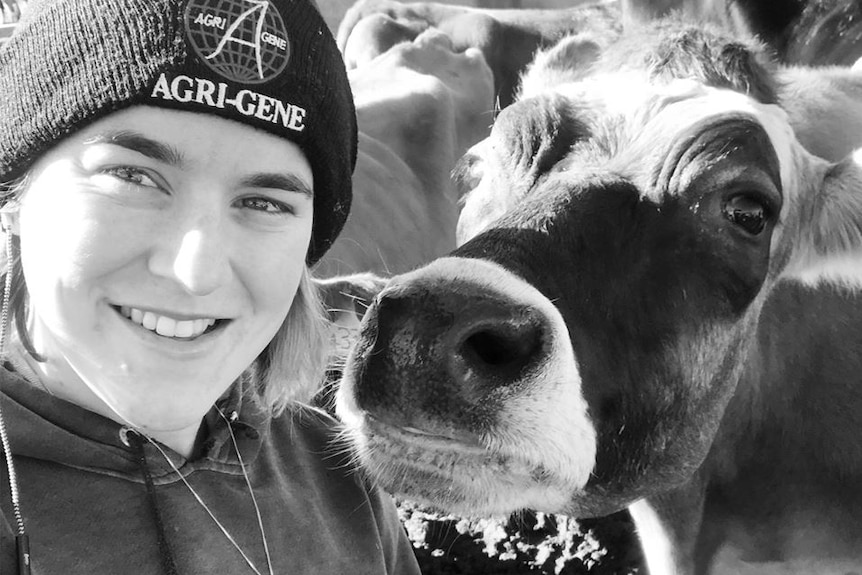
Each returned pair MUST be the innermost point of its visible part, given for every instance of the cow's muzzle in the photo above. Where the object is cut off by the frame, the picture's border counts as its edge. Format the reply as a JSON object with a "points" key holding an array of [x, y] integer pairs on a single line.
{"points": [[463, 371]]}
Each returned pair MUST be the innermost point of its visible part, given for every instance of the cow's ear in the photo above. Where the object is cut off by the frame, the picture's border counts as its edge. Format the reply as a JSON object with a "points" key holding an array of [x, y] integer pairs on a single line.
{"points": [[349, 294], [828, 244], [567, 61], [345, 299], [823, 107]]}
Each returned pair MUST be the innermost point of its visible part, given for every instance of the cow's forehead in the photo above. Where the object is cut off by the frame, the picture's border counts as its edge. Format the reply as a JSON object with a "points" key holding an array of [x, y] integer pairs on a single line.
{"points": [[661, 112]]}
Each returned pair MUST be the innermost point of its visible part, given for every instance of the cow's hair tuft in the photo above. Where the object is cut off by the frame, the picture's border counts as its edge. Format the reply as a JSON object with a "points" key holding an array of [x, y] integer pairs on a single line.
{"points": [[672, 49], [716, 61]]}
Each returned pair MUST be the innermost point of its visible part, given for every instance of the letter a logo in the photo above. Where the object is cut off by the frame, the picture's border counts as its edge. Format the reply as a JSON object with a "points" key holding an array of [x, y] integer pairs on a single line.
{"points": [[242, 40]]}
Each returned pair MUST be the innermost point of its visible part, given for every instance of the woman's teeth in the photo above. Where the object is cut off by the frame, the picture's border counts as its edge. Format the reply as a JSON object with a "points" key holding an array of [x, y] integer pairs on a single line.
{"points": [[167, 326]]}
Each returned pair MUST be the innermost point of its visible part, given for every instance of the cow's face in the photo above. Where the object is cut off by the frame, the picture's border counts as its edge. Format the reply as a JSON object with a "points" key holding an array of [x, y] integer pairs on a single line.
{"points": [[576, 353]]}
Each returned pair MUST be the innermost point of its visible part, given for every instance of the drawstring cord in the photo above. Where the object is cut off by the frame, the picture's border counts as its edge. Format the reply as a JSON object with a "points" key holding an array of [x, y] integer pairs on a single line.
{"points": [[22, 542], [209, 511], [136, 442]]}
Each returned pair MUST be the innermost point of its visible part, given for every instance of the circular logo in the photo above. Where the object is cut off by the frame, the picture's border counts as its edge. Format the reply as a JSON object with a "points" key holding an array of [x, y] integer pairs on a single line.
{"points": [[242, 40]]}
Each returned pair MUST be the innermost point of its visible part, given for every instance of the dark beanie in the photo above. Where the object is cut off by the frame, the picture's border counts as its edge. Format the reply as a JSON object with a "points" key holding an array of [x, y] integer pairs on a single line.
{"points": [[271, 64]]}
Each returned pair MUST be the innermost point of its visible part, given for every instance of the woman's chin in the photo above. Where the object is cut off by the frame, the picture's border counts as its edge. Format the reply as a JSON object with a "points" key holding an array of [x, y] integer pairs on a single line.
{"points": [[153, 415]]}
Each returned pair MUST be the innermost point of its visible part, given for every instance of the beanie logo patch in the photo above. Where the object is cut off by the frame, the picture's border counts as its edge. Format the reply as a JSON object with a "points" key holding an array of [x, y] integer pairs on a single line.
{"points": [[244, 41]]}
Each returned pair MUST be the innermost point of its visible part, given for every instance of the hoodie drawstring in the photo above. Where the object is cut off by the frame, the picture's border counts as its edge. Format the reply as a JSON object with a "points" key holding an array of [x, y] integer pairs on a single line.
{"points": [[22, 541], [137, 443]]}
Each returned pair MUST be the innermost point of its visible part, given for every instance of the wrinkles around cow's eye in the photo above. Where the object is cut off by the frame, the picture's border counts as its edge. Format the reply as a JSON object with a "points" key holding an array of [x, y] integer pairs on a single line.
{"points": [[747, 212]]}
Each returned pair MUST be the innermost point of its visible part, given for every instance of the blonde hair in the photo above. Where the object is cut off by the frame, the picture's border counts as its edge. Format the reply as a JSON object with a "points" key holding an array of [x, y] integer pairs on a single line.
{"points": [[291, 367]]}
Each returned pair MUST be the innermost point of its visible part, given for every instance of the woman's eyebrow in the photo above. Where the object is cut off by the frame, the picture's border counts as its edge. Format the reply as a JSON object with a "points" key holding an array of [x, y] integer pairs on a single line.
{"points": [[278, 181], [142, 144]]}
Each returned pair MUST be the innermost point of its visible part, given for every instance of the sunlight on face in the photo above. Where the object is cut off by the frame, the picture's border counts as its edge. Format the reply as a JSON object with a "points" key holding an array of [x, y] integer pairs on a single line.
{"points": [[162, 250]]}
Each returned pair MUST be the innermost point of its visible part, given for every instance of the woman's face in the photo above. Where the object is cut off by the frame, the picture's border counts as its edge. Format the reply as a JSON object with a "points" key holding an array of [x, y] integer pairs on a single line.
{"points": [[162, 250]]}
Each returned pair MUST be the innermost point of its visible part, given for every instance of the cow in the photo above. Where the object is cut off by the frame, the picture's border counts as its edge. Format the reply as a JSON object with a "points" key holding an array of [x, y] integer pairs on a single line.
{"points": [[654, 306], [507, 38], [419, 106], [808, 32]]}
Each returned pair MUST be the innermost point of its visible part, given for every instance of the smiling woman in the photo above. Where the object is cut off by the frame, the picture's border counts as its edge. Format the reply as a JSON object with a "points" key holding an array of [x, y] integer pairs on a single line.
{"points": [[159, 320]]}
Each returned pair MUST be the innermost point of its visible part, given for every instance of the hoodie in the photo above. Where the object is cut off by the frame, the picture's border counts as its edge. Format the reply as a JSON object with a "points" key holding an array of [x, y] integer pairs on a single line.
{"points": [[88, 507]]}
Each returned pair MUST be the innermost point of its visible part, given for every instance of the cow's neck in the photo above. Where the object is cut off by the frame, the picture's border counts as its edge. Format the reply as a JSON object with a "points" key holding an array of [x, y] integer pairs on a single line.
{"points": [[783, 494]]}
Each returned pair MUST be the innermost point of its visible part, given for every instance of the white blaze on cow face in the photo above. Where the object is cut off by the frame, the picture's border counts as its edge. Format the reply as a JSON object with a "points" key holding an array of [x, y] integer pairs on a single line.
{"points": [[536, 452]]}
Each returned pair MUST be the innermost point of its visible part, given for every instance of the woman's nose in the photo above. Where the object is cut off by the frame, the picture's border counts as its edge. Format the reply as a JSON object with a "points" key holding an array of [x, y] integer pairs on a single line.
{"points": [[196, 256]]}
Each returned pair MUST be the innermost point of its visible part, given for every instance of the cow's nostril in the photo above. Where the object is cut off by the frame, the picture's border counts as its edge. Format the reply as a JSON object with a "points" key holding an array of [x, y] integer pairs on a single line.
{"points": [[503, 350], [496, 347]]}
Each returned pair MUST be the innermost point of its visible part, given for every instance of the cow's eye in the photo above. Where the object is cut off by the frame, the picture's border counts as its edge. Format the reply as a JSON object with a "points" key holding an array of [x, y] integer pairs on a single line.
{"points": [[747, 212]]}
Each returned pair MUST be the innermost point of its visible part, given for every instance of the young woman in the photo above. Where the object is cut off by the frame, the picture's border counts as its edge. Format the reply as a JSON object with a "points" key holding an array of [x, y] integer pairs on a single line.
{"points": [[172, 168]]}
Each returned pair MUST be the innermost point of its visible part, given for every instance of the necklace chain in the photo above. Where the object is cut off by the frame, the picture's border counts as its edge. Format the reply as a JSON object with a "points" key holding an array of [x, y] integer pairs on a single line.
{"points": [[212, 515]]}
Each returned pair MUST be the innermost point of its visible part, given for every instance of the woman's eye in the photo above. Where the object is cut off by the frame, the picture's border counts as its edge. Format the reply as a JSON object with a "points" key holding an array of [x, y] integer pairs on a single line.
{"points": [[265, 205], [131, 175]]}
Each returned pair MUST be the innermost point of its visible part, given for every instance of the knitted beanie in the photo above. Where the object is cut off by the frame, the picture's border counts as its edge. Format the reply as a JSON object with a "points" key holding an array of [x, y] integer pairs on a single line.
{"points": [[271, 64]]}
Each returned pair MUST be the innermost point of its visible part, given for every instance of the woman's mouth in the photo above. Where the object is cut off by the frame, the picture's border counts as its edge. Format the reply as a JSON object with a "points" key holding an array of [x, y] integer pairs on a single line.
{"points": [[167, 326]]}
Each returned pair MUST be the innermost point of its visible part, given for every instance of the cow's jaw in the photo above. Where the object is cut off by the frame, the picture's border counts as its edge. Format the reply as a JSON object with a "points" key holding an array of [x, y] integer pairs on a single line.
{"points": [[520, 436]]}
